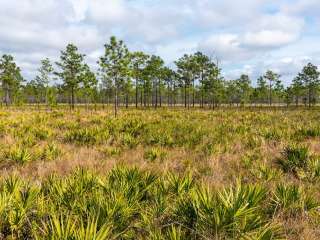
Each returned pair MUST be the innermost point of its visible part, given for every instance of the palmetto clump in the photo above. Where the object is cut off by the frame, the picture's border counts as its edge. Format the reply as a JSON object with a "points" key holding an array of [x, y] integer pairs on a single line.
{"points": [[128, 203]]}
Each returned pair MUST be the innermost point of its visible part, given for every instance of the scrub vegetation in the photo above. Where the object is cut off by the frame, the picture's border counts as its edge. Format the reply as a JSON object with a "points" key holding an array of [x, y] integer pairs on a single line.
{"points": [[231, 173]]}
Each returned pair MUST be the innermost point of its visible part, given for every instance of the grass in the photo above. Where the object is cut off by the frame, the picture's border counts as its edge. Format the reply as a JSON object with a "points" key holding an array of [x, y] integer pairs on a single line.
{"points": [[165, 174]]}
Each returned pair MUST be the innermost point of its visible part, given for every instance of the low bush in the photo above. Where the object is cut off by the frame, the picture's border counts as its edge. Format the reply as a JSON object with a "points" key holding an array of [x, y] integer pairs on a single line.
{"points": [[294, 158], [50, 152], [292, 200], [18, 154], [87, 136], [154, 154]]}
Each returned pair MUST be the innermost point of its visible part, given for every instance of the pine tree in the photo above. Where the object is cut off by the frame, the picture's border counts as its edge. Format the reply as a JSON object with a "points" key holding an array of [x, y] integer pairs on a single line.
{"points": [[43, 79], [114, 65], [10, 77], [272, 78], [72, 66]]}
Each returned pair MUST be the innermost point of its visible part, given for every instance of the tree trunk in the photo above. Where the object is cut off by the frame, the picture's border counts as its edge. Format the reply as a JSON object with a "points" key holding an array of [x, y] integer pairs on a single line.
{"points": [[193, 94], [7, 97], [168, 95], [160, 98], [141, 98], [185, 95], [127, 100], [116, 102], [136, 93], [270, 93], [174, 95], [201, 101], [188, 91], [145, 96], [309, 96], [156, 96], [72, 98]]}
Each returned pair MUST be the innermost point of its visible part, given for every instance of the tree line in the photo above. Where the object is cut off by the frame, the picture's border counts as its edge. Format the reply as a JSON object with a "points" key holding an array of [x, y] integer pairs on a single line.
{"points": [[136, 78]]}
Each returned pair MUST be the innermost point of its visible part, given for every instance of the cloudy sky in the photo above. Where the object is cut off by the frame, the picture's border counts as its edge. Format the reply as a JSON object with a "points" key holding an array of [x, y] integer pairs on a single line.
{"points": [[248, 36]]}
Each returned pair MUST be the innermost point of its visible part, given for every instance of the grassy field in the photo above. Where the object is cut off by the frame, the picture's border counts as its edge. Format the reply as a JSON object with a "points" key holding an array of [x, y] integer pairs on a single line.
{"points": [[165, 174]]}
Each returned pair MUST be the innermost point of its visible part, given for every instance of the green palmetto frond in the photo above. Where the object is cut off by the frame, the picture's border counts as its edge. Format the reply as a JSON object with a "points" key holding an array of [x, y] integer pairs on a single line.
{"points": [[91, 231], [58, 228], [174, 233], [267, 232], [179, 185], [12, 184]]}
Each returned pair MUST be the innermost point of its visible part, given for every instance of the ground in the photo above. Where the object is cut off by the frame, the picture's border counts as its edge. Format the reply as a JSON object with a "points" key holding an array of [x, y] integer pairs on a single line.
{"points": [[236, 153]]}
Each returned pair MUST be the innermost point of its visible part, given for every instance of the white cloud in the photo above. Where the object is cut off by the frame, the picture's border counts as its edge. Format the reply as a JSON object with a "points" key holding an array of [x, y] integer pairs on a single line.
{"points": [[309, 7], [107, 12], [224, 46], [268, 38], [246, 34]]}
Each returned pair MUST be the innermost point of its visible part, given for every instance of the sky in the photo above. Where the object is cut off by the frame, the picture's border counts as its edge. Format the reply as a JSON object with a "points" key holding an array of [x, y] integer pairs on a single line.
{"points": [[247, 36]]}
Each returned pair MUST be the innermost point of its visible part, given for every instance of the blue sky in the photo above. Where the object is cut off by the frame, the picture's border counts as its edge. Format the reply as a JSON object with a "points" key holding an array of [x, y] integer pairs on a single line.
{"points": [[248, 36]]}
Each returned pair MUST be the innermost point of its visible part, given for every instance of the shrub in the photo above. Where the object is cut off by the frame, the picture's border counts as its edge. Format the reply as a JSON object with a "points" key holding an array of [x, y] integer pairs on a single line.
{"points": [[154, 154], [314, 169], [233, 213], [50, 152], [294, 158], [207, 149], [273, 135], [56, 114], [81, 136], [266, 173], [128, 140], [112, 151], [309, 132], [28, 140], [18, 155], [155, 136], [41, 133], [84, 205], [132, 126], [87, 136], [253, 141], [2, 129], [292, 200]]}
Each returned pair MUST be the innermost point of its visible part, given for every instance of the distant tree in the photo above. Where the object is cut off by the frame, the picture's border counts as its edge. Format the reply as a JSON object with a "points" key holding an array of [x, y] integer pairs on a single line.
{"points": [[154, 70], [147, 78], [114, 64], [196, 65], [272, 78], [244, 89], [71, 65], [289, 95], [297, 88], [106, 87], [232, 92], [89, 83], [10, 77], [52, 96], [186, 73], [169, 79], [214, 85], [279, 90], [138, 63], [310, 78], [43, 79], [202, 72], [262, 89], [34, 91]]}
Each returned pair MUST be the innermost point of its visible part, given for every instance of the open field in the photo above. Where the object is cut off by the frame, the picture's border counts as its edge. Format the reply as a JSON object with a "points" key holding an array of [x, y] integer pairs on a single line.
{"points": [[160, 174]]}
